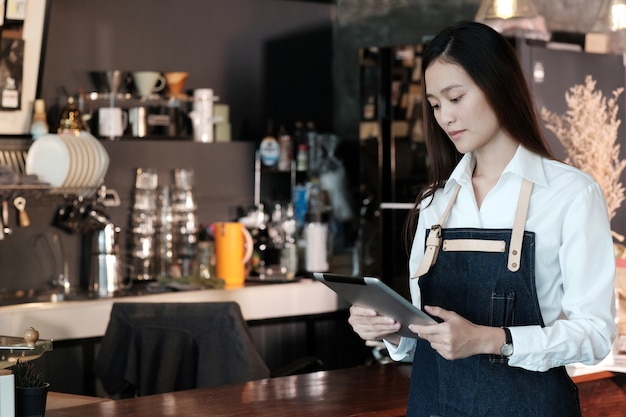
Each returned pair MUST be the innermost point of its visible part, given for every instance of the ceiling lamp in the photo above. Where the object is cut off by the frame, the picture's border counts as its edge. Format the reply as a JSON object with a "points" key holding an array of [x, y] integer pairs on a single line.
{"points": [[618, 15], [505, 9]]}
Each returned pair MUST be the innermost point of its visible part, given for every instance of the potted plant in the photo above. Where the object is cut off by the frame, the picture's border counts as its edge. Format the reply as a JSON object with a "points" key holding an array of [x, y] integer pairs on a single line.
{"points": [[31, 390]]}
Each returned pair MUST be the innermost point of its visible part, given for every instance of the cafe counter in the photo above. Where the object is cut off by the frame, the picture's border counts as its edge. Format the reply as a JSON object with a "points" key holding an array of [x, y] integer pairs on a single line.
{"points": [[83, 319], [305, 315]]}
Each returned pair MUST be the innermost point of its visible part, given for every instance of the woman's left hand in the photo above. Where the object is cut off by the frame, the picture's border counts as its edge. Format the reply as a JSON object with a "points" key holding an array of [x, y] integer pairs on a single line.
{"points": [[458, 338]]}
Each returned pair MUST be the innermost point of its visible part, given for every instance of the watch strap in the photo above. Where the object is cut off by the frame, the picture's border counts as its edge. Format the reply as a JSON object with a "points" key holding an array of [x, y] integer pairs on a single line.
{"points": [[508, 339], [507, 348]]}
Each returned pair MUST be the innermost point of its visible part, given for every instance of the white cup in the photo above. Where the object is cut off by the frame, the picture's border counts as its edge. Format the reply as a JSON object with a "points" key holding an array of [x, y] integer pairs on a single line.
{"points": [[112, 122], [148, 82]]}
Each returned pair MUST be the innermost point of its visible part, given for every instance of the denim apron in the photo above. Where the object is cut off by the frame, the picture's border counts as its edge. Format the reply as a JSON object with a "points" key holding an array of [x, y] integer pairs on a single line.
{"points": [[488, 277]]}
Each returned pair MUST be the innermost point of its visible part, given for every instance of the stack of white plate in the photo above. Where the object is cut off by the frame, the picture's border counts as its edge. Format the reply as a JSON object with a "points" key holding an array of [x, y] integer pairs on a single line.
{"points": [[68, 162]]}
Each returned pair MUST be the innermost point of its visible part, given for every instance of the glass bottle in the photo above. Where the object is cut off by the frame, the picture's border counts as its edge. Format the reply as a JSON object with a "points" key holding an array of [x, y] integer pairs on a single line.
{"points": [[314, 149], [269, 149], [71, 119], [39, 124], [316, 231], [204, 267], [262, 242], [289, 250], [302, 160], [286, 150], [275, 243], [205, 273]]}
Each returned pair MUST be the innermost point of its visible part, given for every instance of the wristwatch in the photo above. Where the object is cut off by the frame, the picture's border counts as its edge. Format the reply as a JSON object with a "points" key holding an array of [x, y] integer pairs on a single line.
{"points": [[507, 348]]}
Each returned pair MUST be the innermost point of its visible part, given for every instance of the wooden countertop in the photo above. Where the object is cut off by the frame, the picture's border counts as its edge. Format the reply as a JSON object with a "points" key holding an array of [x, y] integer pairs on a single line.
{"points": [[89, 318], [329, 393], [364, 391], [56, 400]]}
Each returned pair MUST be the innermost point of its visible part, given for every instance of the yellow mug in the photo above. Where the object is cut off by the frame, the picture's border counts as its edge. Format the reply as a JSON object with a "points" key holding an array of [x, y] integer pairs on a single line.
{"points": [[233, 250]]}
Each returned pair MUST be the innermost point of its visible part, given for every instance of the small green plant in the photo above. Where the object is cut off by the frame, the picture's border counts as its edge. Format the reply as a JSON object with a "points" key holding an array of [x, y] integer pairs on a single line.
{"points": [[27, 376]]}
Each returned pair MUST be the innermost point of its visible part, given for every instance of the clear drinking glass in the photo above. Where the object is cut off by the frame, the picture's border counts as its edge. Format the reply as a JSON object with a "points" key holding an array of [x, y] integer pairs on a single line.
{"points": [[184, 221], [146, 179]]}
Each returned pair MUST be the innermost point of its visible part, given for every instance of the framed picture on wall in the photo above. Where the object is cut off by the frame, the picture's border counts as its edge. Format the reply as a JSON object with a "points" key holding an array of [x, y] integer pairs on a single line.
{"points": [[21, 56]]}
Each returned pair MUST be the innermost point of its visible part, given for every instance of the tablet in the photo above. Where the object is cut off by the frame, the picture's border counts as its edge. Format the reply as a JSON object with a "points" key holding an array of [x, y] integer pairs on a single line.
{"points": [[373, 293]]}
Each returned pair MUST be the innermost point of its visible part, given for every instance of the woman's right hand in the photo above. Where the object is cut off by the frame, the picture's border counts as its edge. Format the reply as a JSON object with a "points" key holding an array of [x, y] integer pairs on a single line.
{"points": [[370, 325]]}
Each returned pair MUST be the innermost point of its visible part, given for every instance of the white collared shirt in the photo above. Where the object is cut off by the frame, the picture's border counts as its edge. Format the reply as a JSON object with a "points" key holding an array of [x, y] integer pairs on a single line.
{"points": [[574, 257]]}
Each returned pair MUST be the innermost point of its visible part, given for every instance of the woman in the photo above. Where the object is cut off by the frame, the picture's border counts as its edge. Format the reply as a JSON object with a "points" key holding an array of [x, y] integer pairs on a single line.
{"points": [[512, 252]]}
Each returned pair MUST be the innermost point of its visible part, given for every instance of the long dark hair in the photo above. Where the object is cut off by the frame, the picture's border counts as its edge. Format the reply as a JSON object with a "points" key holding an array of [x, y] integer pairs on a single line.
{"points": [[490, 60]]}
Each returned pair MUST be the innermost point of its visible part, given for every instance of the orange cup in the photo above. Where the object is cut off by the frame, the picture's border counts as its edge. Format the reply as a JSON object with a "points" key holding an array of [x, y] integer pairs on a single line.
{"points": [[233, 250], [176, 83]]}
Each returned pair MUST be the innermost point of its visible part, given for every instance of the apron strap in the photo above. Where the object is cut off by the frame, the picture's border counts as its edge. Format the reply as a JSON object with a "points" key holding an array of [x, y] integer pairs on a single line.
{"points": [[433, 241], [517, 236]]}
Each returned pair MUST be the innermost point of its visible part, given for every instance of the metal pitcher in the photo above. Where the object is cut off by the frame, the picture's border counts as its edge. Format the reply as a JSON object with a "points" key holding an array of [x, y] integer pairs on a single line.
{"points": [[105, 271]]}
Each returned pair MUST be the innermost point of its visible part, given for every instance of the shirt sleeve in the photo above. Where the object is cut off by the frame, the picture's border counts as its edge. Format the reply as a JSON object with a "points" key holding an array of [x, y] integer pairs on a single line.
{"points": [[404, 351], [586, 328]]}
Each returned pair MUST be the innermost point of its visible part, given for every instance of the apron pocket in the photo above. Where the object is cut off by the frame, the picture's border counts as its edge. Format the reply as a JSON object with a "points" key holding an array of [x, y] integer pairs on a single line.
{"points": [[502, 309], [502, 314]]}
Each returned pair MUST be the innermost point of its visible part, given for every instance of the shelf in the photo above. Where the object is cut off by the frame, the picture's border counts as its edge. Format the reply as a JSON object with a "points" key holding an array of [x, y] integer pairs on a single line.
{"points": [[127, 101], [8, 191]]}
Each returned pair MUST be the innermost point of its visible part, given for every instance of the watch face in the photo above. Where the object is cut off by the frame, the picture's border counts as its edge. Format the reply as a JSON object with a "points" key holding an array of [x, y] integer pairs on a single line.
{"points": [[506, 349]]}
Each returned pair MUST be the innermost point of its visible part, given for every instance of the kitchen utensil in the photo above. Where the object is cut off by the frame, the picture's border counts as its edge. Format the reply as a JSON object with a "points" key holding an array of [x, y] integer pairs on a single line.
{"points": [[142, 223], [1, 228], [67, 161], [184, 178], [138, 119], [163, 238], [112, 81], [176, 83], [112, 122], [148, 82], [202, 115], [105, 269], [233, 249], [5, 218], [49, 159], [67, 217], [20, 205], [94, 217], [146, 178]]}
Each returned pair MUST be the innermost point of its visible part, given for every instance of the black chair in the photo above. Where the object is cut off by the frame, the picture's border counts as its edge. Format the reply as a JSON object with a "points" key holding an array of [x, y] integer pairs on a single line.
{"points": [[152, 348]]}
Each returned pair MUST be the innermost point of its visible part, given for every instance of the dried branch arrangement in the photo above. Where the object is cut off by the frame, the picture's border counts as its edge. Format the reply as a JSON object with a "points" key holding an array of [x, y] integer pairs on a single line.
{"points": [[588, 131]]}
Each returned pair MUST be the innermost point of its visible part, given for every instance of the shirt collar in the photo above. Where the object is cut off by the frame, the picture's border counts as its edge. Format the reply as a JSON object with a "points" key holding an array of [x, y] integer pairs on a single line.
{"points": [[525, 164]]}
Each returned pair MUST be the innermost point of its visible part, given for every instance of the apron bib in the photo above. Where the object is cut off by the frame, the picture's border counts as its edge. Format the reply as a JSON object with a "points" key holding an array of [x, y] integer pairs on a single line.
{"points": [[488, 277]]}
